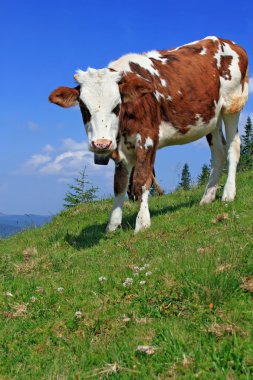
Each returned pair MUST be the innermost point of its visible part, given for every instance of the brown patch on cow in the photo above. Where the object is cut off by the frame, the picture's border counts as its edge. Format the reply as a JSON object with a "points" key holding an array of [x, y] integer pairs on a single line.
{"points": [[209, 138], [120, 179], [224, 70], [133, 88], [65, 96]]}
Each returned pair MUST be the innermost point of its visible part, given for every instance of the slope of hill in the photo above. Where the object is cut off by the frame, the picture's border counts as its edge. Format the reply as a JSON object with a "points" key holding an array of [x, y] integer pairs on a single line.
{"points": [[76, 303]]}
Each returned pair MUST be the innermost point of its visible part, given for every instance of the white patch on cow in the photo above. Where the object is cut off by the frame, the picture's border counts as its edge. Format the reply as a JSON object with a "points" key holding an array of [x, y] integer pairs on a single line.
{"points": [[116, 214], [158, 95], [138, 139], [143, 217], [231, 89], [155, 54], [179, 92], [148, 143], [122, 64], [163, 82], [169, 98], [213, 38], [203, 51], [179, 47], [99, 91]]}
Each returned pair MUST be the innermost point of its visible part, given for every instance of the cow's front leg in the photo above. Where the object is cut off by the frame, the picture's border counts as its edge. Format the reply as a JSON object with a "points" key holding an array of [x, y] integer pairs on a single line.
{"points": [[142, 181], [121, 179]]}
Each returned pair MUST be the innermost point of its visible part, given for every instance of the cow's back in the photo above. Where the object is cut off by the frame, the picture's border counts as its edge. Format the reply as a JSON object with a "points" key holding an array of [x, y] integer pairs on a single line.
{"points": [[193, 82]]}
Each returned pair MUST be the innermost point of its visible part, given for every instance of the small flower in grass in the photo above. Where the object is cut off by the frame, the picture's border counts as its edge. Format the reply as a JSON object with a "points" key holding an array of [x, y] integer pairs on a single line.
{"points": [[142, 269], [60, 290], [9, 294], [211, 306], [142, 282], [148, 273], [146, 266], [128, 282], [136, 268], [136, 274], [102, 279], [33, 299], [78, 314]]}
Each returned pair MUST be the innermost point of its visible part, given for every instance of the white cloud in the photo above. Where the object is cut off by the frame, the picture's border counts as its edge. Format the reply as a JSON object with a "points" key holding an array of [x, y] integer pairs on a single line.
{"points": [[65, 162], [250, 85]]}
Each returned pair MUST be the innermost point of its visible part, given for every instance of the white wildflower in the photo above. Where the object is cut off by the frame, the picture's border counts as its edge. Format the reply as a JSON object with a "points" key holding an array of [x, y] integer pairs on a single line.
{"points": [[60, 290], [128, 282], [78, 314], [149, 350], [102, 279], [148, 273], [33, 299], [146, 266], [9, 294], [136, 274], [142, 282]]}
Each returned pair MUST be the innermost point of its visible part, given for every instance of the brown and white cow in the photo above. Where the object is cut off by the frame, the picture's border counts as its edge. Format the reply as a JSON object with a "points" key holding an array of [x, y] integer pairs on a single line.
{"points": [[143, 102]]}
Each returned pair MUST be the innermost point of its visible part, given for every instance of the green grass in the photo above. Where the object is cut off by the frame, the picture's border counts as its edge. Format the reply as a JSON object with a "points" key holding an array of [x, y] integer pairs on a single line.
{"points": [[191, 309]]}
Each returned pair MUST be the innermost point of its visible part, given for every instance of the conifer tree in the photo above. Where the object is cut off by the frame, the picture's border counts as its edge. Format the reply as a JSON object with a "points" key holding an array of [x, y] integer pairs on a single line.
{"points": [[204, 175], [185, 182], [246, 161], [80, 193]]}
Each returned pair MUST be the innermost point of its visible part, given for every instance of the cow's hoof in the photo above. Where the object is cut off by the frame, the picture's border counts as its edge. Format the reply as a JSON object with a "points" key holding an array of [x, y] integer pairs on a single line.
{"points": [[140, 227], [206, 201], [111, 228], [228, 194]]}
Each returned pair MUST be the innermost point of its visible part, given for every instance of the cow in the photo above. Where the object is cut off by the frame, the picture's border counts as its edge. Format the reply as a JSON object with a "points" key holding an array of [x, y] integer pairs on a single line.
{"points": [[144, 102]]}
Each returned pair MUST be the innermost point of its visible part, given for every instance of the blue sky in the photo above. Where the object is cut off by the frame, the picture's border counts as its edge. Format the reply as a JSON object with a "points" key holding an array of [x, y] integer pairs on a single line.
{"points": [[42, 146]]}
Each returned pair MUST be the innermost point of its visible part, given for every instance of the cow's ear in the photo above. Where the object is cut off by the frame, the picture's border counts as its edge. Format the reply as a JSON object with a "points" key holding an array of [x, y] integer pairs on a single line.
{"points": [[134, 89], [65, 96]]}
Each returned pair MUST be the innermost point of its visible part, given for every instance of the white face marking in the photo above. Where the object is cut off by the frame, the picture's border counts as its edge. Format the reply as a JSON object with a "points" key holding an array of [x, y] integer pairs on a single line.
{"points": [[100, 93], [122, 64], [163, 82]]}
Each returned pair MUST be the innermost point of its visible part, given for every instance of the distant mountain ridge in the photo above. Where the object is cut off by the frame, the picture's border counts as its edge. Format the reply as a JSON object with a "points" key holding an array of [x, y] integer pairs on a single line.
{"points": [[12, 224]]}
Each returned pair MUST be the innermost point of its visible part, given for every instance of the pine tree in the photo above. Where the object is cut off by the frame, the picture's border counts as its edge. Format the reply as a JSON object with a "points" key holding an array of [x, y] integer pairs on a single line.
{"points": [[246, 161], [204, 175], [185, 182], [79, 193]]}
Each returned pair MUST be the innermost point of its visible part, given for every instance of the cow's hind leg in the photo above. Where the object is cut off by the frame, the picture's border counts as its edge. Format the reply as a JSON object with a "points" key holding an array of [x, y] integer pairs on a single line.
{"points": [[121, 180], [217, 145], [233, 154]]}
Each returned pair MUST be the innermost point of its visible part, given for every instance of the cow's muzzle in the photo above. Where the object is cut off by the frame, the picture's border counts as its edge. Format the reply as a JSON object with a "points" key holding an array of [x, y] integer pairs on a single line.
{"points": [[102, 146]]}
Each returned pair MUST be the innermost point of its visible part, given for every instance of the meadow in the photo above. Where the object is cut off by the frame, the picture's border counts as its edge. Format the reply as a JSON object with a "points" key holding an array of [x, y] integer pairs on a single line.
{"points": [[172, 302]]}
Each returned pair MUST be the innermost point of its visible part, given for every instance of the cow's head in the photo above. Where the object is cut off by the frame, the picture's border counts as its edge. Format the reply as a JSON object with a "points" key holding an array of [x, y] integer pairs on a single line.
{"points": [[99, 99], [99, 96]]}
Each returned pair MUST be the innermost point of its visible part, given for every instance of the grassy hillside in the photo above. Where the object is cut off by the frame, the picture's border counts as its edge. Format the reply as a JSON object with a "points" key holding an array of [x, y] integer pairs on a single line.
{"points": [[66, 314]]}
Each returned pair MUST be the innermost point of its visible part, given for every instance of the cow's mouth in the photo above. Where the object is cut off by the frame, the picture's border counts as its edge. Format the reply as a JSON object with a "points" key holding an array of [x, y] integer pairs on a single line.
{"points": [[101, 159]]}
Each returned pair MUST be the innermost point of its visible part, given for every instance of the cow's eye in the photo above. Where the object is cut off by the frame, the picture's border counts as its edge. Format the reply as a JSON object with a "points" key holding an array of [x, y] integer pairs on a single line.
{"points": [[85, 112], [116, 109]]}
